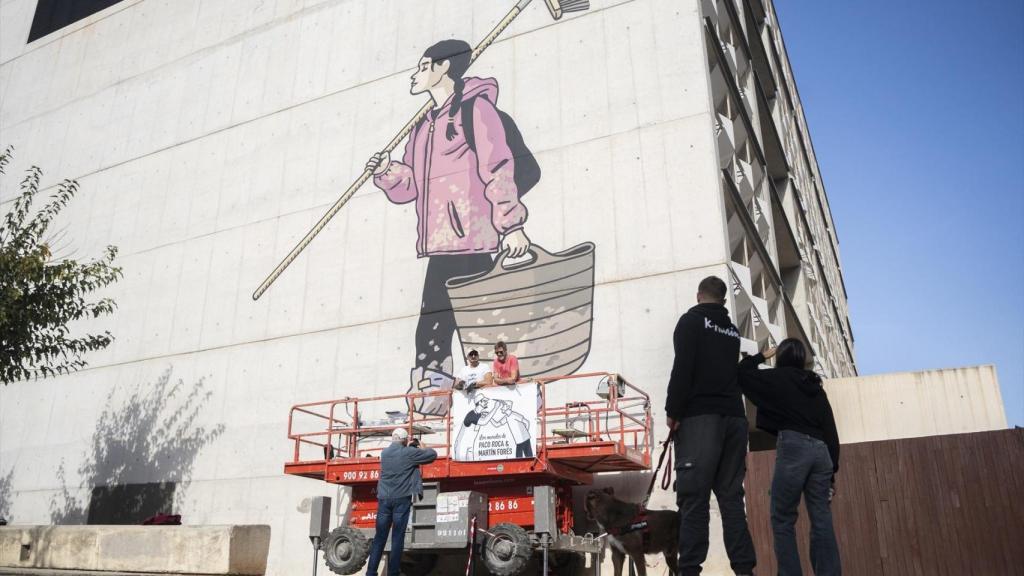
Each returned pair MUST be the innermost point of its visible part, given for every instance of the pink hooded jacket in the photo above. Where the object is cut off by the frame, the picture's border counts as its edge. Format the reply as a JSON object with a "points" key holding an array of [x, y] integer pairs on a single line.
{"points": [[465, 200]]}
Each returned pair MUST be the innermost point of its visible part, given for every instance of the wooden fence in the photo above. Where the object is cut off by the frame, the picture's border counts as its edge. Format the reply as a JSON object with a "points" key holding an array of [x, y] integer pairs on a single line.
{"points": [[919, 506]]}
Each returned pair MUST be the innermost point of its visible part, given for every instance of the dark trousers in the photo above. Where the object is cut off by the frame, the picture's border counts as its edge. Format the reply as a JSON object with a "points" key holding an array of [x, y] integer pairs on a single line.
{"points": [[711, 455], [803, 467], [523, 450], [392, 516], [437, 321]]}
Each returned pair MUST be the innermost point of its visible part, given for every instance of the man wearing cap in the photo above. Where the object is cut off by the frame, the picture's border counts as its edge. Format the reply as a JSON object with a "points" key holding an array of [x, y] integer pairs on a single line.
{"points": [[473, 374], [400, 480]]}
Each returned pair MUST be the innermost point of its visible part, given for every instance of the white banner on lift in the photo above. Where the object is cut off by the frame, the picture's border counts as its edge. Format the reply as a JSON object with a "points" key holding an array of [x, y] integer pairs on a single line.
{"points": [[495, 423]]}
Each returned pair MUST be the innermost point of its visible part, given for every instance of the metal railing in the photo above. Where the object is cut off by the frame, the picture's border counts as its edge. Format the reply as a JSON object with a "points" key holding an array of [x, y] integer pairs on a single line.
{"points": [[336, 429]]}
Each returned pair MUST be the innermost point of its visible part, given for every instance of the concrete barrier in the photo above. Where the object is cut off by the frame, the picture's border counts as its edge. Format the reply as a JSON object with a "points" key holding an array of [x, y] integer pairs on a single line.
{"points": [[236, 550]]}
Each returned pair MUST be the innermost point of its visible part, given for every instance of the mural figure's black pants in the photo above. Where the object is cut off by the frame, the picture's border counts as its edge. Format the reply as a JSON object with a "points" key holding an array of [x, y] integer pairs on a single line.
{"points": [[523, 449], [437, 321], [711, 455]]}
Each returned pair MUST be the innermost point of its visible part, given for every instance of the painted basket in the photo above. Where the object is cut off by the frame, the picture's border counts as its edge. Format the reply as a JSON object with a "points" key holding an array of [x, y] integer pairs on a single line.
{"points": [[543, 309]]}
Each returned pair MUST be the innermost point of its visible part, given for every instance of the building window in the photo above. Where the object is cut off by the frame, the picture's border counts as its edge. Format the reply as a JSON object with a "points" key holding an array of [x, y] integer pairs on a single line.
{"points": [[52, 15]]}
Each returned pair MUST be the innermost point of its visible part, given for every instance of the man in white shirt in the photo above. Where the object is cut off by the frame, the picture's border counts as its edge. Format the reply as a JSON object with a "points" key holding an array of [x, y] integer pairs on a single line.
{"points": [[473, 374]]}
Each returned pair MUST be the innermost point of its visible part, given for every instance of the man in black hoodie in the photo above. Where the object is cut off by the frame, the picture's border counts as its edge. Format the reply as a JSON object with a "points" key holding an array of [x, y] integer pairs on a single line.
{"points": [[705, 410]]}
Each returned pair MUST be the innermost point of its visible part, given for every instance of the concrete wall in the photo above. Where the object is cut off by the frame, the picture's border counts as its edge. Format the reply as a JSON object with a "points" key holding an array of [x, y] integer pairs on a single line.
{"points": [[139, 549], [208, 135], [913, 404]]}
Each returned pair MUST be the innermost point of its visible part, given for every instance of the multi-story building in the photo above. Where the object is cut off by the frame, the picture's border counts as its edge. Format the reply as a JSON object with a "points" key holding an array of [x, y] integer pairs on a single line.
{"points": [[209, 135], [783, 248]]}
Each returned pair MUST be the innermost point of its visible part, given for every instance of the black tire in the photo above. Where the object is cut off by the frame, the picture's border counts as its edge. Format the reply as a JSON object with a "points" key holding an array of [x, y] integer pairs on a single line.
{"points": [[345, 550], [506, 550], [418, 564]]}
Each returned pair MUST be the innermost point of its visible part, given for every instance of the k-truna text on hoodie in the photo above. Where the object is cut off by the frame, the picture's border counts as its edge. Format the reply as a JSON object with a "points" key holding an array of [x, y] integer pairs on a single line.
{"points": [[703, 379]]}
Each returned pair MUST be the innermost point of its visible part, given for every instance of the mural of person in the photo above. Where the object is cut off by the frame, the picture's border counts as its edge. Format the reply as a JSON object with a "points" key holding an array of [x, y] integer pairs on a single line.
{"points": [[518, 426], [460, 171], [475, 419], [489, 421]]}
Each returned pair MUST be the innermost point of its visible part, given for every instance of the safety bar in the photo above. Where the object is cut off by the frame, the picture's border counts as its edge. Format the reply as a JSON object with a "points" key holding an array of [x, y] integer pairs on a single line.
{"points": [[623, 416]]}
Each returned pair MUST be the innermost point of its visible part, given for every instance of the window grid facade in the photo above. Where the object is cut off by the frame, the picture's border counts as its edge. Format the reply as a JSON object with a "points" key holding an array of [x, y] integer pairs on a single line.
{"points": [[784, 258]]}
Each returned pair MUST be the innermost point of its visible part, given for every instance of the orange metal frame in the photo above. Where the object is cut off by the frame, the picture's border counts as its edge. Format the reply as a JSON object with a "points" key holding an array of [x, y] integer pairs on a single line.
{"points": [[616, 436]]}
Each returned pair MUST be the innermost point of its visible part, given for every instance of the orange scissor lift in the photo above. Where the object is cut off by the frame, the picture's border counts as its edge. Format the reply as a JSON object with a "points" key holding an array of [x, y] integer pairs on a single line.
{"points": [[578, 437]]}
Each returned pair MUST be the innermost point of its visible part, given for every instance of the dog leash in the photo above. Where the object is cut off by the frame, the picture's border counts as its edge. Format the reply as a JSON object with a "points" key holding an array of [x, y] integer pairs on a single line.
{"points": [[472, 546], [666, 478]]}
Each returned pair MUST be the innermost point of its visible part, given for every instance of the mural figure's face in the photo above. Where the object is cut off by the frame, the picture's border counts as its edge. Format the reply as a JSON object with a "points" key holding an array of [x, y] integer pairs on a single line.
{"points": [[427, 75]]}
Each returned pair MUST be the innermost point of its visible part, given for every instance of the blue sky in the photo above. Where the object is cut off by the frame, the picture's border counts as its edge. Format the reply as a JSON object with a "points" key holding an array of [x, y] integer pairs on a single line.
{"points": [[916, 111]]}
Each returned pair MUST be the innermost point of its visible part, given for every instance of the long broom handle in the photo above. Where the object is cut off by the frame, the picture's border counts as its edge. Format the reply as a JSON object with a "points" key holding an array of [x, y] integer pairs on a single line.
{"points": [[367, 174]]}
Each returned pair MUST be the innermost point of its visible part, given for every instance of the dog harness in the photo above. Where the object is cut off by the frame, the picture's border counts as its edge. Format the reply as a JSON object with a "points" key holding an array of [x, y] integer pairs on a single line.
{"points": [[639, 522]]}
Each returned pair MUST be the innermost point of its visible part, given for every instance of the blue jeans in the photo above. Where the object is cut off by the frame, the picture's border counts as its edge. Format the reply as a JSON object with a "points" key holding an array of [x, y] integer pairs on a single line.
{"points": [[392, 516], [803, 467]]}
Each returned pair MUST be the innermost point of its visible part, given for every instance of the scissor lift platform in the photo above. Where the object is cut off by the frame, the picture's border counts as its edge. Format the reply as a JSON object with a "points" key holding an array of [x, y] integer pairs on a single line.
{"points": [[577, 439], [568, 461]]}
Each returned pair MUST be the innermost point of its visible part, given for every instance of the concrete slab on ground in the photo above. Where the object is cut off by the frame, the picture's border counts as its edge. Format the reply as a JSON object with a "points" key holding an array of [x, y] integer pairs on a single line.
{"points": [[48, 572], [192, 550]]}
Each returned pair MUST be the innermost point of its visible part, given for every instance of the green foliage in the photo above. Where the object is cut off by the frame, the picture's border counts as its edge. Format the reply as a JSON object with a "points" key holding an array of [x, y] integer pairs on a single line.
{"points": [[41, 296]]}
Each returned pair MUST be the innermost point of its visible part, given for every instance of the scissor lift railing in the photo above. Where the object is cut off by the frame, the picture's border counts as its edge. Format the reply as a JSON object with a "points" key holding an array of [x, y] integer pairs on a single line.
{"points": [[576, 438], [334, 442]]}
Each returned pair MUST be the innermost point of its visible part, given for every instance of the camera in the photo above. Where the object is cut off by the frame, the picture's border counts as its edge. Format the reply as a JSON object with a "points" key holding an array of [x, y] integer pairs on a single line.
{"points": [[414, 442]]}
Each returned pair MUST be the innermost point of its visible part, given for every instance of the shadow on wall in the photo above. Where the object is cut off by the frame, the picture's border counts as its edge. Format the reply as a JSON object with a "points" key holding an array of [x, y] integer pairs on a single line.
{"points": [[5, 495], [142, 454]]}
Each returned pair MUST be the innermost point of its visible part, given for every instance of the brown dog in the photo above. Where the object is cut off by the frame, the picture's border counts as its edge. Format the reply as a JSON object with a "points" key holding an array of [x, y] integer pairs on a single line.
{"points": [[633, 531]]}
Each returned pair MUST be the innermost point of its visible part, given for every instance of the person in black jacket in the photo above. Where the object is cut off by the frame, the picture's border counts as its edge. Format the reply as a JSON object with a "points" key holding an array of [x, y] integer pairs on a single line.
{"points": [[792, 404], [704, 408]]}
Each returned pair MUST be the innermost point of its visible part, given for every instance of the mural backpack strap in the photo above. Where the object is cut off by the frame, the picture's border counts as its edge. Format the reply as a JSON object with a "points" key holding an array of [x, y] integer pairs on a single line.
{"points": [[527, 171]]}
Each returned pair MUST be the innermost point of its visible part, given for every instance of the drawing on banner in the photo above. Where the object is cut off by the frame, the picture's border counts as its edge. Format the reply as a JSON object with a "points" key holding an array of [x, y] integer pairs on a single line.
{"points": [[495, 423]]}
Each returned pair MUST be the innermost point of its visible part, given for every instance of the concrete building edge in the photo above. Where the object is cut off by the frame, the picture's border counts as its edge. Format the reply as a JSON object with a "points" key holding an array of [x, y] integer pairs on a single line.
{"points": [[749, 227]]}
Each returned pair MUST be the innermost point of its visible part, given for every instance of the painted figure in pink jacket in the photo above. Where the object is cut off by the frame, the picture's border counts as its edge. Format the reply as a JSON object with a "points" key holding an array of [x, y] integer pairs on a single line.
{"points": [[467, 204]]}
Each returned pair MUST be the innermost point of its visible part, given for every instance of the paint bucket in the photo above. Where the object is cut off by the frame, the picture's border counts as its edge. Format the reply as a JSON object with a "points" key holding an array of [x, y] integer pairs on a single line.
{"points": [[543, 309]]}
